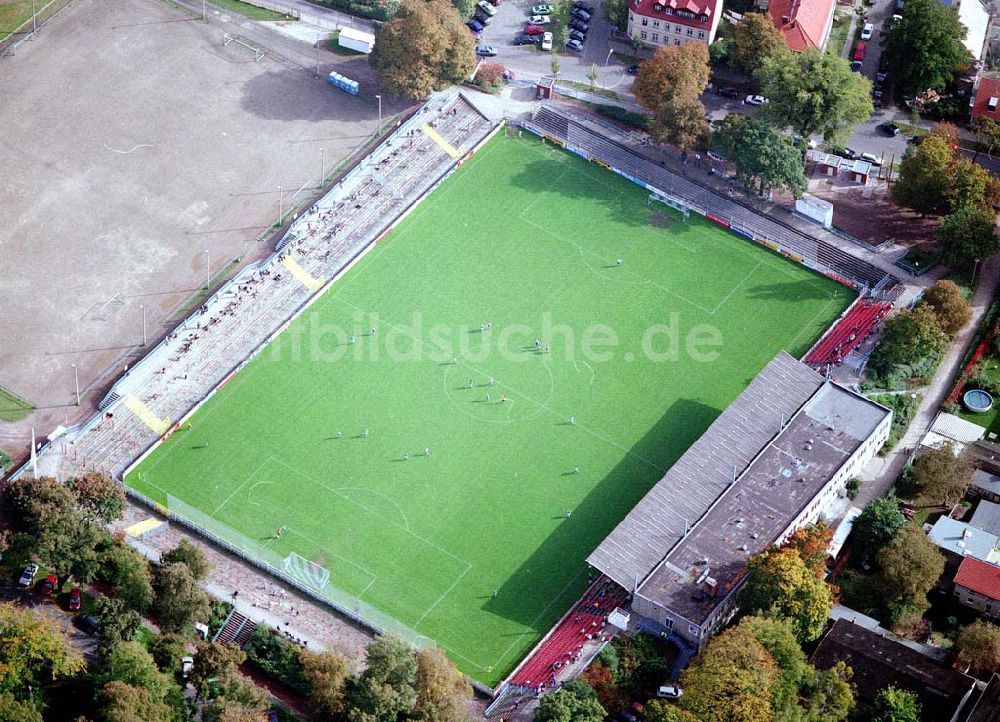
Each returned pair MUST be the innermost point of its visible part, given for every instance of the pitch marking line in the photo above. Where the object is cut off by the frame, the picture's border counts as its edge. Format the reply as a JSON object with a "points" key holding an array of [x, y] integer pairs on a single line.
{"points": [[736, 287], [146, 416], [372, 575], [441, 598], [436, 137], [251, 475], [301, 274]]}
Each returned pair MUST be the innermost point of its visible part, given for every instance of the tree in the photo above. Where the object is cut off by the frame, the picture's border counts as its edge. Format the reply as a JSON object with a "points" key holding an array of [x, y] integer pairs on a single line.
{"points": [[731, 680], [385, 688], [778, 582], [554, 66], [575, 702], [660, 710], [120, 702], [616, 11], [669, 84], [815, 92], [130, 663], [968, 235], [924, 49], [213, 661], [924, 178], [127, 571], [465, 8], [942, 475], [948, 304], [238, 700], [14, 710], [101, 498], [167, 650], [908, 337], [592, 73], [117, 624], [327, 674], [179, 600], [756, 39], [987, 132], [978, 647], [895, 705], [876, 525], [34, 651], [189, 554], [811, 543], [828, 698], [761, 154], [910, 566], [969, 185], [443, 693], [424, 47]]}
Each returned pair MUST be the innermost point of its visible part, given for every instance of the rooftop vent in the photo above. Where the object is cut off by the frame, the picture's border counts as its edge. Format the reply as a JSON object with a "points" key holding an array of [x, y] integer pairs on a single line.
{"points": [[992, 105]]}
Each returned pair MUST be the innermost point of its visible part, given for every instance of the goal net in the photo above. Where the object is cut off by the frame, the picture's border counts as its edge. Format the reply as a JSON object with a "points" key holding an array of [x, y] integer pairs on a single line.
{"points": [[307, 573], [671, 201]]}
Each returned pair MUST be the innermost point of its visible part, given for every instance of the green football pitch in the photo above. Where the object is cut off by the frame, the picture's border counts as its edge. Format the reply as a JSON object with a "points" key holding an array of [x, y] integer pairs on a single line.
{"points": [[649, 326]]}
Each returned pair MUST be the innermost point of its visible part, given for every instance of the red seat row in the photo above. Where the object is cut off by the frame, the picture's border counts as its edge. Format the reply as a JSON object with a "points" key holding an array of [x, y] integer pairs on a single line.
{"points": [[849, 332]]}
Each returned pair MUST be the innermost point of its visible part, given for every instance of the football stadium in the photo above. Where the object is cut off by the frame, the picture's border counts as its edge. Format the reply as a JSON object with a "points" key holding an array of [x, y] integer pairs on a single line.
{"points": [[441, 438]]}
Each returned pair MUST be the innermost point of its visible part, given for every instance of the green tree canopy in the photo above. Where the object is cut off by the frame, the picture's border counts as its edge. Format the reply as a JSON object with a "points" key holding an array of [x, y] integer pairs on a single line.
{"points": [[238, 700], [191, 555], [910, 567], [121, 702], [908, 337], [949, 305], [127, 571], [778, 582], [895, 705], [131, 664], [212, 662], [575, 702], [970, 184], [762, 156], [987, 132], [924, 49], [616, 11], [815, 92], [669, 84], [424, 47], [756, 39], [925, 177], [876, 526], [179, 600], [968, 235], [385, 689], [943, 476], [34, 651], [15, 710], [117, 624], [327, 674], [978, 646]]}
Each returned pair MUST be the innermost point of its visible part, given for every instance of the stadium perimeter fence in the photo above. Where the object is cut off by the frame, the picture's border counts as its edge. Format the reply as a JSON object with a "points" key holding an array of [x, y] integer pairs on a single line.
{"points": [[819, 255], [30, 27]]}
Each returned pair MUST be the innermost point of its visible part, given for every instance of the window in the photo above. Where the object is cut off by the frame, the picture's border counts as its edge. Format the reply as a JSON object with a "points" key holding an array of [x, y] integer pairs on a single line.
{"points": [[701, 34], [645, 22], [668, 623], [677, 42], [670, 11], [690, 32], [656, 37], [656, 23], [642, 35], [693, 630], [677, 29]]}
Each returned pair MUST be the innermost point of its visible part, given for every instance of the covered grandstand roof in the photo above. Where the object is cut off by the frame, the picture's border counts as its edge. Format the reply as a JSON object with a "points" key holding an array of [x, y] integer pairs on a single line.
{"points": [[658, 522]]}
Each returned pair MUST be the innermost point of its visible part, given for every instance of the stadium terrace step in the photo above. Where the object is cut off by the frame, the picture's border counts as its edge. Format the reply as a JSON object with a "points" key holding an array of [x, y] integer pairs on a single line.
{"points": [[236, 630]]}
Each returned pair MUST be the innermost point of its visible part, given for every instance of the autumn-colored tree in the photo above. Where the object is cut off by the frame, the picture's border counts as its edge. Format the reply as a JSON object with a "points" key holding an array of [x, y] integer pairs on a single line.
{"points": [[34, 651], [443, 693], [811, 543], [978, 646], [946, 300], [121, 702], [925, 177], [876, 526], [189, 554], [908, 337], [167, 649], [779, 582], [943, 476], [15, 710], [179, 600], [327, 674], [910, 566], [237, 699], [659, 710], [99, 496], [731, 680], [424, 47], [601, 679], [970, 184], [948, 132], [987, 132], [756, 39], [213, 661], [669, 84]]}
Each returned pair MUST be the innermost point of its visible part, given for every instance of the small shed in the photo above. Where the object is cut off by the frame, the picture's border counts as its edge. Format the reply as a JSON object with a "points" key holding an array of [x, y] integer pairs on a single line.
{"points": [[545, 87], [357, 40], [859, 170], [826, 163], [815, 209]]}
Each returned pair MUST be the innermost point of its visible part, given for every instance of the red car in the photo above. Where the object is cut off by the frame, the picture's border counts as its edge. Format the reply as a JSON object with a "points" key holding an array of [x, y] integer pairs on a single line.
{"points": [[74, 599], [859, 51], [534, 30], [49, 585]]}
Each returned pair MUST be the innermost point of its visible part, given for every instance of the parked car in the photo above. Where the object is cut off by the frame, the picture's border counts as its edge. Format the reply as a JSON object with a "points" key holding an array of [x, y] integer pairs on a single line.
{"points": [[578, 24], [187, 664], [880, 77], [632, 70], [669, 691], [542, 9], [75, 598], [871, 158], [756, 100], [578, 35], [584, 6], [856, 66], [810, 143], [49, 585], [87, 623], [547, 41], [727, 92], [486, 8], [626, 716], [580, 13], [522, 39], [848, 153], [475, 26], [866, 31], [859, 51], [486, 51], [530, 29], [890, 129], [574, 45], [28, 575], [540, 20], [482, 18]]}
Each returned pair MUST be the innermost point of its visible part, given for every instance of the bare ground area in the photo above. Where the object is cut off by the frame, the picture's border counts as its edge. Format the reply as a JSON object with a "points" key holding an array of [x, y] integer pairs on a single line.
{"points": [[869, 214], [136, 149]]}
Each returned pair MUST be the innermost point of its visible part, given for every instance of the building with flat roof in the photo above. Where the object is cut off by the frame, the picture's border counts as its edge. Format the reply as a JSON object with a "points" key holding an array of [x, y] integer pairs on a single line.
{"points": [[770, 463], [985, 485], [987, 517], [958, 539], [673, 22]]}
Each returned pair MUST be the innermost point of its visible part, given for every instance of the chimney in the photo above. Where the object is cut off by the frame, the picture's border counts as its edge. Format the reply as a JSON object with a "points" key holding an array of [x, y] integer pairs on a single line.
{"points": [[710, 586], [966, 533], [992, 105]]}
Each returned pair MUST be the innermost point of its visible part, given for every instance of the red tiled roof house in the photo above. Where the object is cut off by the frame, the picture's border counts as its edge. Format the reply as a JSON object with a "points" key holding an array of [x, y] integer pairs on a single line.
{"points": [[977, 585], [805, 24], [672, 22], [987, 99]]}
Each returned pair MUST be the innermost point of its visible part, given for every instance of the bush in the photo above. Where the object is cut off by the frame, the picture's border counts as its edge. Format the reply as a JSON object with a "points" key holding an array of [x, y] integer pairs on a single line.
{"points": [[217, 614], [277, 658], [489, 77], [636, 120], [852, 486]]}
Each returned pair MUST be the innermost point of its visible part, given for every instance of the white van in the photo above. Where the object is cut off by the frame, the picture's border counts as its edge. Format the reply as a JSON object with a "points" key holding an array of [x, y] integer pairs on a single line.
{"points": [[547, 41], [486, 8]]}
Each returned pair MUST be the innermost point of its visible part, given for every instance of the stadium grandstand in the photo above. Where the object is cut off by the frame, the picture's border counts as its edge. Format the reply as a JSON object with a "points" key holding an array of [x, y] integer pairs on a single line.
{"points": [[860, 323]]}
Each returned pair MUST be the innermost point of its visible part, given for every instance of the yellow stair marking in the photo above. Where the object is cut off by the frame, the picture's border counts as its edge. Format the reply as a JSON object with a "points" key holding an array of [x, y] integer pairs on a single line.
{"points": [[436, 137], [143, 527], [145, 415], [313, 284]]}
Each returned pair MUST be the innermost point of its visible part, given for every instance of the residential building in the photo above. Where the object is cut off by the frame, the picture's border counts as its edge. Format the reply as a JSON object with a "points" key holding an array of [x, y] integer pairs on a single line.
{"points": [[977, 585], [954, 430], [771, 463], [805, 24], [987, 517], [975, 16], [673, 22], [878, 662], [987, 707], [986, 101], [958, 540]]}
